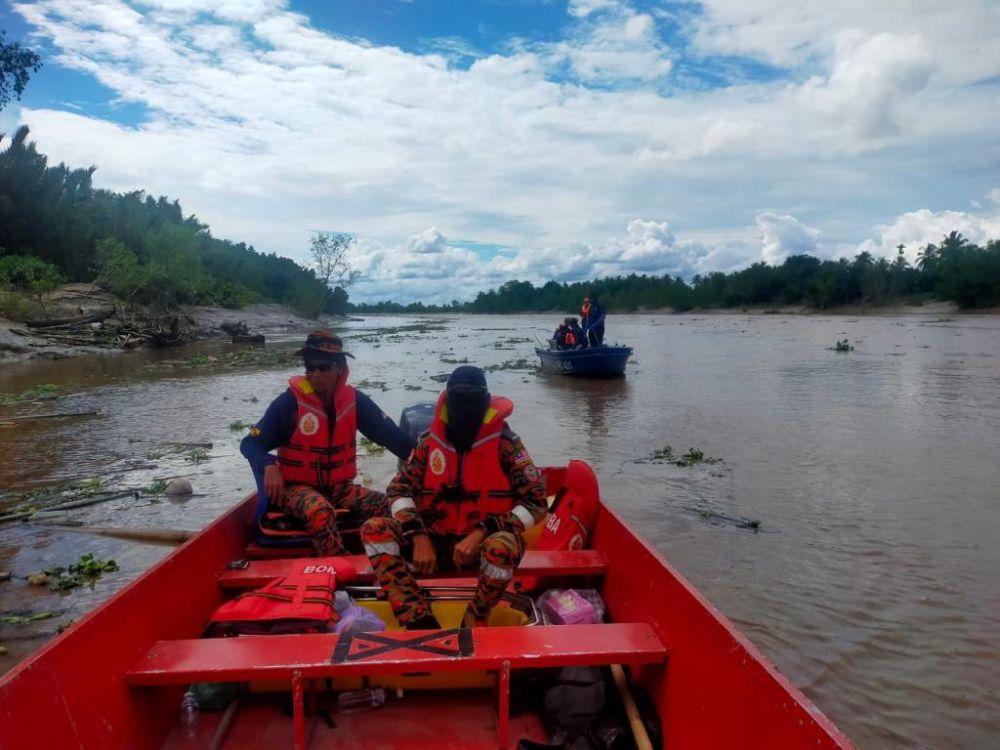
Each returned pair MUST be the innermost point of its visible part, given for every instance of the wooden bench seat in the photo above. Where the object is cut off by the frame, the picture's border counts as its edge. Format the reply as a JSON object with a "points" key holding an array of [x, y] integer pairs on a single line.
{"points": [[535, 563], [299, 657], [398, 651]]}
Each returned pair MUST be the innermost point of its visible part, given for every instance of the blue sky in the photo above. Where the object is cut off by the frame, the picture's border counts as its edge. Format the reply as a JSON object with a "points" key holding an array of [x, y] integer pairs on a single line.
{"points": [[468, 143]]}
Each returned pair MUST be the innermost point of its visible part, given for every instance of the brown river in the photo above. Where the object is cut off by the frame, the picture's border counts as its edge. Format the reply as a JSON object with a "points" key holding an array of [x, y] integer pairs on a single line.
{"points": [[873, 581]]}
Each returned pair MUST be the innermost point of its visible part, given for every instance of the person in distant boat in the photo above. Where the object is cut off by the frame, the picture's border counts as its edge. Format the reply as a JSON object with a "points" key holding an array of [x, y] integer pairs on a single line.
{"points": [[313, 425], [574, 333], [560, 335], [464, 497], [567, 334], [593, 321]]}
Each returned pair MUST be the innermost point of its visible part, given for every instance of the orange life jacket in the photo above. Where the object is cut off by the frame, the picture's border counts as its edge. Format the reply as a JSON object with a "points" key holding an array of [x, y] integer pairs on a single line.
{"points": [[463, 495], [585, 311], [569, 339], [301, 602], [320, 454]]}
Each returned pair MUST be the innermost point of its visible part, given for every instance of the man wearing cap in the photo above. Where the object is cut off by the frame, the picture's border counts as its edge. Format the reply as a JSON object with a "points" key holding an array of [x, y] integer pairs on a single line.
{"points": [[313, 425], [463, 498]]}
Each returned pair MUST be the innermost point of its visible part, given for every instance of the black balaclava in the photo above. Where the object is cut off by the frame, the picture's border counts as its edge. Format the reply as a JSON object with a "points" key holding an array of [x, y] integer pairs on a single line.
{"points": [[467, 400]]}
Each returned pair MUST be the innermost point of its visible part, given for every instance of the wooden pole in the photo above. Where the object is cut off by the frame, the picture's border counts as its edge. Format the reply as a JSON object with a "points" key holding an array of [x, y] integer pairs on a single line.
{"points": [[139, 534], [642, 741]]}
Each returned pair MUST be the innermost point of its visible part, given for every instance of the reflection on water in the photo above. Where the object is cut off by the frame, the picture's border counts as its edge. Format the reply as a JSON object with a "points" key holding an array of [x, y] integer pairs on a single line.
{"points": [[871, 582]]}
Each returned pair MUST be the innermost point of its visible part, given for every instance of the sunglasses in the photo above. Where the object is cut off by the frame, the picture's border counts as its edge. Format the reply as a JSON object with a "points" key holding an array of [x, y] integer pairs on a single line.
{"points": [[321, 366]]}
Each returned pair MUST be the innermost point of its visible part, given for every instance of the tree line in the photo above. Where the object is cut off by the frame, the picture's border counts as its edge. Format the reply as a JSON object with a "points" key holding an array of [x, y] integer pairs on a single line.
{"points": [[954, 269], [55, 226]]}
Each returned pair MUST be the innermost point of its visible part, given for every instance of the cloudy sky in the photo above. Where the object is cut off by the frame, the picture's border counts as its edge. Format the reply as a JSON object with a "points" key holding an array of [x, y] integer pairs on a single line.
{"points": [[465, 143]]}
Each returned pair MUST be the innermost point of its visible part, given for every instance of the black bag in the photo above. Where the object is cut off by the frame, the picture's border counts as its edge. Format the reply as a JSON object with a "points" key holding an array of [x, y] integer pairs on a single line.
{"points": [[575, 701]]}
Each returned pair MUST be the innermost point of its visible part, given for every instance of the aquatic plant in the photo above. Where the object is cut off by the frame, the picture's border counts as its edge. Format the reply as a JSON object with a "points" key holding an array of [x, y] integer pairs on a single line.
{"points": [[692, 457], [197, 455], [371, 447], [86, 570], [158, 487], [42, 391], [238, 426]]}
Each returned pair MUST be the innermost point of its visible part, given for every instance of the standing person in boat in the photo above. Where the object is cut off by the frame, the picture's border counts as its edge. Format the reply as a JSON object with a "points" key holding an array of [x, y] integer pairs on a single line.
{"points": [[464, 497], [593, 325], [313, 425]]}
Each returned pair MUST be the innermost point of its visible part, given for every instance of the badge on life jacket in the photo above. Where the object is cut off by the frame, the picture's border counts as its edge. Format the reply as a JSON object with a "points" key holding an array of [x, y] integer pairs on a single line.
{"points": [[436, 461]]}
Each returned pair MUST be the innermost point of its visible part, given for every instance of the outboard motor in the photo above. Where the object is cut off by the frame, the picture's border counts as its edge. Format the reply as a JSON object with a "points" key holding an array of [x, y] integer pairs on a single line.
{"points": [[416, 419]]}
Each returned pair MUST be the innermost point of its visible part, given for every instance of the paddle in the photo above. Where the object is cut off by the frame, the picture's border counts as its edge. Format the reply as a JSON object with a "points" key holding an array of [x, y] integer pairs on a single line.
{"points": [[642, 740]]}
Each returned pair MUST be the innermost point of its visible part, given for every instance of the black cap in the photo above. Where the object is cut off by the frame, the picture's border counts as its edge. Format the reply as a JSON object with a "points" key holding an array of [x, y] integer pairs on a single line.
{"points": [[467, 378]]}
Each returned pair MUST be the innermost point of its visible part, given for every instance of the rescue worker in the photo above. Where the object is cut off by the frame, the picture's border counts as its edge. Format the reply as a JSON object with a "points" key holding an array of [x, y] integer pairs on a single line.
{"points": [[313, 425], [593, 325], [464, 497], [574, 333], [565, 336], [560, 335]]}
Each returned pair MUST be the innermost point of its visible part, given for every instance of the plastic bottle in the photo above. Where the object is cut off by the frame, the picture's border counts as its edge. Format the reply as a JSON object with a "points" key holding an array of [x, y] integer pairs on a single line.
{"points": [[189, 712], [360, 700]]}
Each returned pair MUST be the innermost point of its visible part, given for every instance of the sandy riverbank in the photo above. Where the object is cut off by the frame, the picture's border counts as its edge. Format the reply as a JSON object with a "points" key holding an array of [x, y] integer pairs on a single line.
{"points": [[18, 342]]}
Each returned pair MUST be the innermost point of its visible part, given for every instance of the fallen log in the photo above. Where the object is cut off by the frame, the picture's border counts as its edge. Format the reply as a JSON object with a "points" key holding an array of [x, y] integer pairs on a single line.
{"points": [[138, 534], [78, 320]]}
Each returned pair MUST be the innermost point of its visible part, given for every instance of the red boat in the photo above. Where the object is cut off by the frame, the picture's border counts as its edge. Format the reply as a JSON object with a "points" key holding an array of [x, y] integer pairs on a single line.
{"points": [[115, 679]]}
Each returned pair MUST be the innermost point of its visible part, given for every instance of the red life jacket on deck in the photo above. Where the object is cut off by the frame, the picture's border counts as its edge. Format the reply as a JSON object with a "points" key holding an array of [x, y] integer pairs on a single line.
{"points": [[320, 454], [301, 602], [463, 495]]}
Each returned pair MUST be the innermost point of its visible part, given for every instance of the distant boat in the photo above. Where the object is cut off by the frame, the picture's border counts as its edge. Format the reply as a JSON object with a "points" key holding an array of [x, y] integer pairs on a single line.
{"points": [[590, 362]]}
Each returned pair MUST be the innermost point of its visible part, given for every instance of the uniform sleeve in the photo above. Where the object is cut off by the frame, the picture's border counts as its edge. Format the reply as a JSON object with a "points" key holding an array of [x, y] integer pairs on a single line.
{"points": [[273, 430], [377, 427], [530, 505], [403, 492]]}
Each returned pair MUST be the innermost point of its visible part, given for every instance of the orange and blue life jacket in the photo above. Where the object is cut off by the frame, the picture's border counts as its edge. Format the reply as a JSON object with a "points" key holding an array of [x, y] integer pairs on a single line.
{"points": [[318, 453]]}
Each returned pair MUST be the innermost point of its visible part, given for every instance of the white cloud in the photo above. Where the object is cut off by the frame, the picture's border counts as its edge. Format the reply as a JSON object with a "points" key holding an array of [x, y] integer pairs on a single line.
{"points": [[269, 128], [784, 236], [917, 229]]}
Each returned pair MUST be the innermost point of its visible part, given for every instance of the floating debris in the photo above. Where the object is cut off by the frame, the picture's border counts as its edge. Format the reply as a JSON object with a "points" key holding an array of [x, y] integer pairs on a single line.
{"points": [[692, 457], [512, 364], [239, 425], [739, 522], [26, 619], [843, 346], [371, 447], [42, 392], [86, 570]]}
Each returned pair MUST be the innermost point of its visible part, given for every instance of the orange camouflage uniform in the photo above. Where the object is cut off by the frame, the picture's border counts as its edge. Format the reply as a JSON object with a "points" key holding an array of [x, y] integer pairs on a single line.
{"points": [[388, 540]]}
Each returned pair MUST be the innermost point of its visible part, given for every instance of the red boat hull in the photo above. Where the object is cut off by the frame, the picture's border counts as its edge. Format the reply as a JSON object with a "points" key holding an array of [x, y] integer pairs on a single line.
{"points": [[715, 689]]}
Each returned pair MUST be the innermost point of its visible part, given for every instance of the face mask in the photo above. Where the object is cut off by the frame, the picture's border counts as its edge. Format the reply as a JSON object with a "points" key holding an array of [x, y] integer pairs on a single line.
{"points": [[465, 416]]}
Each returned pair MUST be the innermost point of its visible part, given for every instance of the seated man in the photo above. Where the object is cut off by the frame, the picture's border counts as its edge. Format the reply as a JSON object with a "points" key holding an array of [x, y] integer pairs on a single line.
{"points": [[464, 497], [560, 336], [313, 424], [574, 333]]}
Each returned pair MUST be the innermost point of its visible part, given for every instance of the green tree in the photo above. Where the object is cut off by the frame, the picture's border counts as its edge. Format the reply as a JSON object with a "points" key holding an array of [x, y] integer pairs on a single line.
{"points": [[17, 63], [331, 265]]}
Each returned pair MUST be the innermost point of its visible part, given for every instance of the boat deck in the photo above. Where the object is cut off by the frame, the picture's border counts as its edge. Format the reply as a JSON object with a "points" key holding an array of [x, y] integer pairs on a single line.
{"points": [[414, 721]]}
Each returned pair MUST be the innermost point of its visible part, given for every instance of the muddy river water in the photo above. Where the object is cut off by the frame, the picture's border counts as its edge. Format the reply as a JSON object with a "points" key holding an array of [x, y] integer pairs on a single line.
{"points": [[873, 578]]}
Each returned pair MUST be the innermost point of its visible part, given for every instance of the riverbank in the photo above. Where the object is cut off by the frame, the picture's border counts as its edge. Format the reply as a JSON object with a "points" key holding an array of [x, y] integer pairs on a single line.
{"points": [[80, 320]]}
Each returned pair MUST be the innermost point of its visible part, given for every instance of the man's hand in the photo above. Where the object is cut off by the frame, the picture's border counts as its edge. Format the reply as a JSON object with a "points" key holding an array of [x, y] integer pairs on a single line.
{"points": [[274, 484], [467, 550], [424, 556]]}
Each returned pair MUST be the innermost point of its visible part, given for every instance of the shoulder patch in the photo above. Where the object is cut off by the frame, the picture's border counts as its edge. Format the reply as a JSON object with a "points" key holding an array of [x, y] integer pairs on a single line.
{"points": [[254, 431]]}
